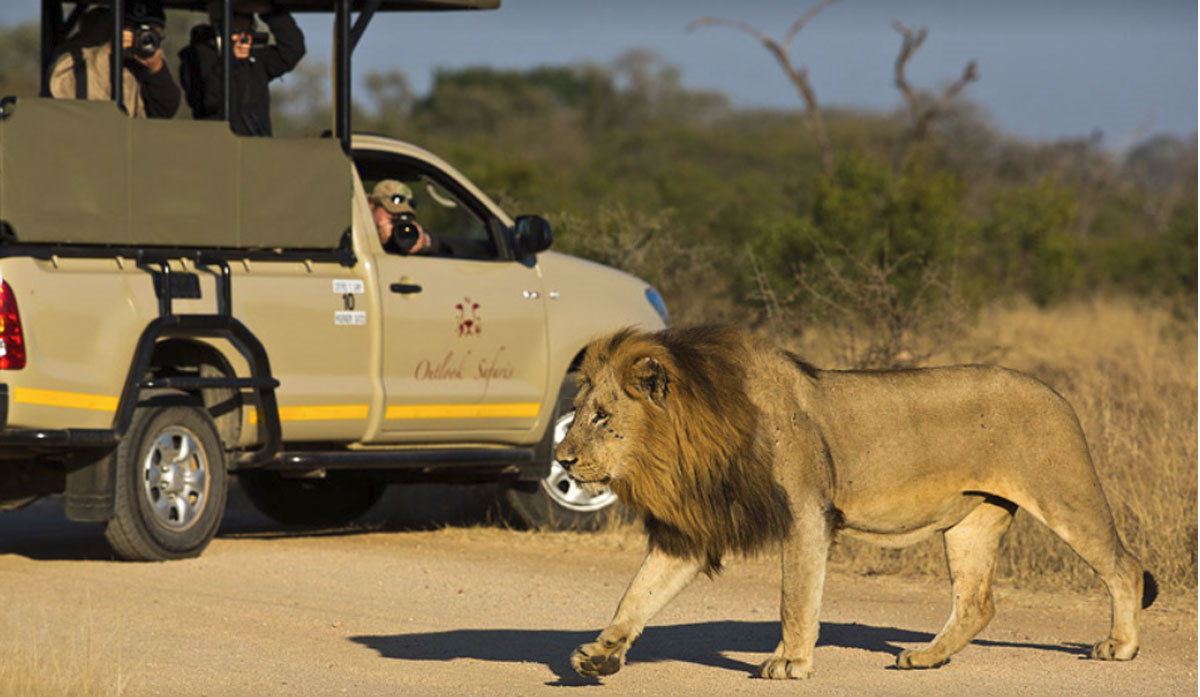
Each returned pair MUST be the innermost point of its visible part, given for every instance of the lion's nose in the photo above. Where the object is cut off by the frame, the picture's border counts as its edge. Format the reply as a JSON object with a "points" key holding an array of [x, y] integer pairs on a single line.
{"points": [[565, 458]]}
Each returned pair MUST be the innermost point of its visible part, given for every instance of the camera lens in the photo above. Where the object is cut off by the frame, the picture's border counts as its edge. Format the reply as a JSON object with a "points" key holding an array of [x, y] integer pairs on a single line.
{"points": [[146, 41]]}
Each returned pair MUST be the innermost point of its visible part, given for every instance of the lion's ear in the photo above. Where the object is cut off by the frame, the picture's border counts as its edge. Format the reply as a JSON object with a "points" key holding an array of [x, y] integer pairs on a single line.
{"points": [[647, 379]]}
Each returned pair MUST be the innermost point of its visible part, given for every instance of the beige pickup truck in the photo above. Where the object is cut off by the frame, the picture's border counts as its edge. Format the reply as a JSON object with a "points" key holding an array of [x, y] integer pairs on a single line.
{"points": [[178, 304]]}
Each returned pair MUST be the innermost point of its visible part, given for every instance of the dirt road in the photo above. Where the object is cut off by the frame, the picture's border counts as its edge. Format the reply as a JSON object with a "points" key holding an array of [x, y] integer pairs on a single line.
{"points": [[488, 611]]}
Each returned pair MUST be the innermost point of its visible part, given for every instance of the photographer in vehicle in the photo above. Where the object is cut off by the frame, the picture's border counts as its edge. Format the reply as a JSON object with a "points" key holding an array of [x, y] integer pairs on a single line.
{"points": [[396, 220], [255, 63], [83, 72]]}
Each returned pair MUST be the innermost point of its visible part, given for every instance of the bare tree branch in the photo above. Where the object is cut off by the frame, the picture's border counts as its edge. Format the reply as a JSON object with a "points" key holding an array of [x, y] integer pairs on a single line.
{"points": [[922, 113], [797, 75], [805, 19]]}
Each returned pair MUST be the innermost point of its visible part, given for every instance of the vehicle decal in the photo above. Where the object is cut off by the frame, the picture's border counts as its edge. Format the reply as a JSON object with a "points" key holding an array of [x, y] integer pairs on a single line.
{"points": [[319, 412], [514, 410], [71, 400], [342, 286], [349, 318], [468, 318], [468, 366]]}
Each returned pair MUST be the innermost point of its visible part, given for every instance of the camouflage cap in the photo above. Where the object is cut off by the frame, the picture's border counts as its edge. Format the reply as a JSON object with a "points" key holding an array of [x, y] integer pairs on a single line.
{"points": [[394, 196]]}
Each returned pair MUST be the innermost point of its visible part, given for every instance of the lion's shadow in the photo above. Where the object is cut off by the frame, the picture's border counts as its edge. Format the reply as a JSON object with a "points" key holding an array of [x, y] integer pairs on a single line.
{"points": [[705, 643]]}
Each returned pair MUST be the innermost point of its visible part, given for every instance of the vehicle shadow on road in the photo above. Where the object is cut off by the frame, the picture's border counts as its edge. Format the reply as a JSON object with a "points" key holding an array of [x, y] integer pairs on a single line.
{"points": [[41, 531], [705, 643]]}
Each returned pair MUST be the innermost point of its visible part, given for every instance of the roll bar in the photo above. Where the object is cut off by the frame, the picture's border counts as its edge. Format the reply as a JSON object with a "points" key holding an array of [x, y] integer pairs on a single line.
{"points": [[56, 27]]}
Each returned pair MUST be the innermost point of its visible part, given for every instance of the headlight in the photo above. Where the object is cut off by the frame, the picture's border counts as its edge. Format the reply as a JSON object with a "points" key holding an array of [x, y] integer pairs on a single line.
{"points": [[656, 301]]}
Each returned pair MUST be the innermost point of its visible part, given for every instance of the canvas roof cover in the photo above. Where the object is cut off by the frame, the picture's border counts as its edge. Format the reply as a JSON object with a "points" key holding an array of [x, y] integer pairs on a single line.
{"points": [[82, 172]]}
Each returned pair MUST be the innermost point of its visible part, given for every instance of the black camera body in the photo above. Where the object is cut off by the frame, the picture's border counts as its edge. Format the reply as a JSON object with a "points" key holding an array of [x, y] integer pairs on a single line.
{"points": [[405, 233], [146, 41]]}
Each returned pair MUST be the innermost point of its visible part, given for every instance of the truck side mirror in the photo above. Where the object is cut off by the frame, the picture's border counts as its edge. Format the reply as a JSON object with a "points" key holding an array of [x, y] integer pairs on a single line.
{"points": [[531, 234]]}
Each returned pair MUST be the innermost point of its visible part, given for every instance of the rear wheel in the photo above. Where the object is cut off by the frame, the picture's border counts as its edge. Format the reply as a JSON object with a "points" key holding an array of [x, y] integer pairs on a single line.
{"points": [[170, 482], [556, 501], [332, 500]]}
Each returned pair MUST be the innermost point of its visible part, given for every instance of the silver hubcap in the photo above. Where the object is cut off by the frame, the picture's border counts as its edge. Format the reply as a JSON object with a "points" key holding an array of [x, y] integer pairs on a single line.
{"points": [[563, 490], [175, 478]]}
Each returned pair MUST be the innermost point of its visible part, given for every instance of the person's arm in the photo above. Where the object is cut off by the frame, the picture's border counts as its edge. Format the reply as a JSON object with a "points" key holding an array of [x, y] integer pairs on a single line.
{"points": [[62, 78], [160, 94], [289, 43]]}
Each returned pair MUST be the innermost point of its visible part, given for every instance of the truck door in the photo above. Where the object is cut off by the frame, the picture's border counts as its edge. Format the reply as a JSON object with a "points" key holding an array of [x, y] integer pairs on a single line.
{"points": [[464, 333]]}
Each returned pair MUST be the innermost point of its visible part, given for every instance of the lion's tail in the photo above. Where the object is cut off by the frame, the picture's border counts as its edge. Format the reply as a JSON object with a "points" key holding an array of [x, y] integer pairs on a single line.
{"points": [[1149, 589]]}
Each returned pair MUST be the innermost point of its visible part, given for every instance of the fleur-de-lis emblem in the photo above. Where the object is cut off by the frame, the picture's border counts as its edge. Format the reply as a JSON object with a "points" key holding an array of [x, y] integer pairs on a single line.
{"points": [[468, 317]]}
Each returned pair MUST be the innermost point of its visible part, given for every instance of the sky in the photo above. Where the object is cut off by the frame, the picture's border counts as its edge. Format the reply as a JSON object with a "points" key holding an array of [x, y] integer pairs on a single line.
{"points": [[1048, 69]]}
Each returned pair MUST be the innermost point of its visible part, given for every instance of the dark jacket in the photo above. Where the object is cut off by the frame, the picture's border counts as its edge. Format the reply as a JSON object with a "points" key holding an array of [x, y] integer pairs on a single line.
{"points": [[200, 74]]}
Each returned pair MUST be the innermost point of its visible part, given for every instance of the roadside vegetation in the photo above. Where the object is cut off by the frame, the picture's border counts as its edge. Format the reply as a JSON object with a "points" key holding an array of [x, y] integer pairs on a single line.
{"points": [[923, 236]]}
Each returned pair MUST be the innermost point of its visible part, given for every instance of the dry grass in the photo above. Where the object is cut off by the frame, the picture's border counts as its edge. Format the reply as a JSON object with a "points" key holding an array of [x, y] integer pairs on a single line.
{"points": [[33, 663], [1129, 369]]}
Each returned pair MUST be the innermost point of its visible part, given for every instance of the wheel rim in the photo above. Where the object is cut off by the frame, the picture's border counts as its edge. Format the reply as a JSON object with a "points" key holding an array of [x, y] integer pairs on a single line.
{"points": [[175, 478], [565, 491]]}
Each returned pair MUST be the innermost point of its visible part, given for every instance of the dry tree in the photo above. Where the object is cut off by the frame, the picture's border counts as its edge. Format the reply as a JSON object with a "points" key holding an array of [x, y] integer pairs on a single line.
{"points": [[922, 109], [797, 74]]}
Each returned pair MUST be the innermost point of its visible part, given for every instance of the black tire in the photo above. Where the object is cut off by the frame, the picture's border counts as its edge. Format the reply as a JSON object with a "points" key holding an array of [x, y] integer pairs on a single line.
{"points": [[333, 500], [556, 502], [171, 482]]}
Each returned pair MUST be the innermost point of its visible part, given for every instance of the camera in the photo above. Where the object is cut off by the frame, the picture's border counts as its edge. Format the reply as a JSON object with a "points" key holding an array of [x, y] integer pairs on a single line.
{"points": [[405, 233], [146, 41]]}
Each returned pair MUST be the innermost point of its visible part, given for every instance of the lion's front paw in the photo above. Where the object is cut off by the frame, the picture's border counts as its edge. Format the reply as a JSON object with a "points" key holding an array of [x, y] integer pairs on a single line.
{"points": [[777, 668], [1112, 650], [919, 660], [594, 659]]}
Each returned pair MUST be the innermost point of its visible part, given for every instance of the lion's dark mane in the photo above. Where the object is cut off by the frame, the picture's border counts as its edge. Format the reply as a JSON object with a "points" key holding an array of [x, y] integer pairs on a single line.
{"points": [[703, 483]]}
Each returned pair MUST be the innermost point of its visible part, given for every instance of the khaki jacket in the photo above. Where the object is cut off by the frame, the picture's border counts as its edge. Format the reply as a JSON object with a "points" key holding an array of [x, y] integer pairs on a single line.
{"points": [[62, 79]]}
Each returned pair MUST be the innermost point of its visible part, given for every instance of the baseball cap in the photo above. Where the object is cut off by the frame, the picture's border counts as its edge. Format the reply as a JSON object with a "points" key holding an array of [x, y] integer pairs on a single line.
{"points": [[145, 12], [394, 196]]}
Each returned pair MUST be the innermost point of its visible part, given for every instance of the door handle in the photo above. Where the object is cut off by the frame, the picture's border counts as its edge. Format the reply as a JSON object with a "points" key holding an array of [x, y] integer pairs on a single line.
{"points": [[405, 288]]}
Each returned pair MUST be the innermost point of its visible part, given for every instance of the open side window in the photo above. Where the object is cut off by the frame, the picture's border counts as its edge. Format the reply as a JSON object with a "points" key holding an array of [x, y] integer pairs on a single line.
{"points": [[443, 208]]}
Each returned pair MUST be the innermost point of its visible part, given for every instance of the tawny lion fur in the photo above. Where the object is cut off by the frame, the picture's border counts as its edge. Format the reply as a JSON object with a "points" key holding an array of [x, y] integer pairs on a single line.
{"points": [[725, 444]]}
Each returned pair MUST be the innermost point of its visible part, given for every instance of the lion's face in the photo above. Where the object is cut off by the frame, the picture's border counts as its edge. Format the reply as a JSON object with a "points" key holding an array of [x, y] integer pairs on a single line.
{"points": [[610, 416]]}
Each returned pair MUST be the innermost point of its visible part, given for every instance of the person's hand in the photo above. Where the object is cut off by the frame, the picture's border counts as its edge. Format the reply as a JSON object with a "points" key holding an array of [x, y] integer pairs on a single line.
{"points": [[241, 45], [383, 223], [423, 241]]}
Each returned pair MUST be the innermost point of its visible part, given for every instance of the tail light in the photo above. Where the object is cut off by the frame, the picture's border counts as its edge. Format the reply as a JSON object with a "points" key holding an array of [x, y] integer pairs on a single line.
{"points": [[12, 340]]}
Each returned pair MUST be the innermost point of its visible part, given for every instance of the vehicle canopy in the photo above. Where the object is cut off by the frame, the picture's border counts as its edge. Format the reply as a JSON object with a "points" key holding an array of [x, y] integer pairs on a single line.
{"points": [[76, 172]]}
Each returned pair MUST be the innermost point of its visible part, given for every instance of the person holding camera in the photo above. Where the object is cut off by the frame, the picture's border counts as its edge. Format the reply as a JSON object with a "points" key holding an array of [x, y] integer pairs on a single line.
{"points": [[83, 70], [255, 64], [396, 220]]}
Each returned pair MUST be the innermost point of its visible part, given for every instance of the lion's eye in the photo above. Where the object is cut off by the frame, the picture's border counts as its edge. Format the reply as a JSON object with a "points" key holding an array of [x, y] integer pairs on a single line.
{"points": [[599, 416]]}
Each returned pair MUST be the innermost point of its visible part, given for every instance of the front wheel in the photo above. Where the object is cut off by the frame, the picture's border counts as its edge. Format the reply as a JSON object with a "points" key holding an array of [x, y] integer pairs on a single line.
{"points": [[556, 501], [170, 482]]}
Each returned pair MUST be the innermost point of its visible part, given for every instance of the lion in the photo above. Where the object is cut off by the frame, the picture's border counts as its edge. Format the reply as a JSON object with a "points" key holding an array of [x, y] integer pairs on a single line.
{"points": [[723, 443]]}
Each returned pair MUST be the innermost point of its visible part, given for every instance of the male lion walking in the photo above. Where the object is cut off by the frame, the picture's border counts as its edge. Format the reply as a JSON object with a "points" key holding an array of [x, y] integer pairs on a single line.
{"points": [[724, 443]]}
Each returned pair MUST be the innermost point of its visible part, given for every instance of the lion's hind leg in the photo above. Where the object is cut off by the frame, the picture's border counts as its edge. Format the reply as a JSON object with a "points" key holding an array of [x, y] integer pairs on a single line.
{"points": [[971, 547], [1077, 511]]}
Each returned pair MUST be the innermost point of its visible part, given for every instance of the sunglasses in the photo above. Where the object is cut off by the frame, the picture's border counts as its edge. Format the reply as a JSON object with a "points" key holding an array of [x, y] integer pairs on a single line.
{"points": [[398, 199]]}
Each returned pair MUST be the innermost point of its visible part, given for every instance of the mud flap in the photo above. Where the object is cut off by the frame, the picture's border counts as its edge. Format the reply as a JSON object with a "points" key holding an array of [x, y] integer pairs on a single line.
{"points": [[91, 488]]}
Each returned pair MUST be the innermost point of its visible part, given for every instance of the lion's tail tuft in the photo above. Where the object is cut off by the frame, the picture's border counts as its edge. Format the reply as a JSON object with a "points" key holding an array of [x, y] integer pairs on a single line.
{"points": [[1149, 589]]}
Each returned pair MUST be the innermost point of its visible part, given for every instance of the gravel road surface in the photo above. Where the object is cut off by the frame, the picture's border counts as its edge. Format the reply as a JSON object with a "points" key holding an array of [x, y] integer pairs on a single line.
{"points": [[396, 610]]}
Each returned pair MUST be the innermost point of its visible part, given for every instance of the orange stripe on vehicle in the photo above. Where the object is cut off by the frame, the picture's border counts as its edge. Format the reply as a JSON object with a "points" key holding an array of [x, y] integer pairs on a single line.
{"points": [[70, 400], [320, 412], [516, 410]]}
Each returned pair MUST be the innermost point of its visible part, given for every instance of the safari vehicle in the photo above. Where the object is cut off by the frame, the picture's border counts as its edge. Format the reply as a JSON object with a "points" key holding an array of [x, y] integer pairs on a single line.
{"points": [[178, 303]]}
